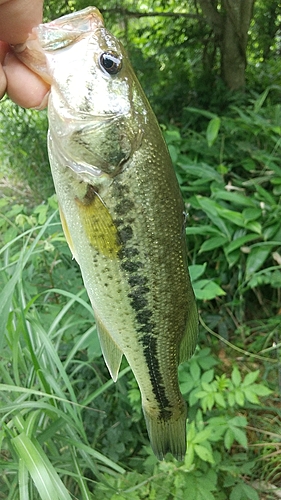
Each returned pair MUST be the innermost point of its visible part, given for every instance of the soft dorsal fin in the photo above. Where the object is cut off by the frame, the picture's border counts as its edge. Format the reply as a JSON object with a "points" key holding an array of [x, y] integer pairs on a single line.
{"points": [[189, 339], [111, 352]]}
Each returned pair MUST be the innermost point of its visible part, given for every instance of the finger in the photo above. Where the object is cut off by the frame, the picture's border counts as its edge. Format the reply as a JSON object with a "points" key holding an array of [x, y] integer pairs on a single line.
{"points": [[34, 91], [3, 81], [17, 19]]}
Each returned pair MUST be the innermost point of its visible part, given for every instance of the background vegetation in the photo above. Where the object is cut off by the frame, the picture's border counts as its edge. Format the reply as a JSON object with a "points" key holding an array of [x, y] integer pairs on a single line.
{"points": [[66, 430]]}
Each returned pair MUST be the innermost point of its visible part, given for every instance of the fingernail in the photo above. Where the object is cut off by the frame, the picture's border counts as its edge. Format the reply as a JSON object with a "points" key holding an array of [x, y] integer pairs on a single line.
{"points": [[43, 104]]}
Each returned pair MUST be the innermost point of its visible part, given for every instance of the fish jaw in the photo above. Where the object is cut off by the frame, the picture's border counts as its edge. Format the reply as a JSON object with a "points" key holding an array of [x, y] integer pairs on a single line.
{"points": [[36, 51]]}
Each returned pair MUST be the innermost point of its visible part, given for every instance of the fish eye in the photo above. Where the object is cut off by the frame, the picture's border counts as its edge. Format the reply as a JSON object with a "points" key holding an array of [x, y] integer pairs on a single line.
{"points": [[111, 62]]}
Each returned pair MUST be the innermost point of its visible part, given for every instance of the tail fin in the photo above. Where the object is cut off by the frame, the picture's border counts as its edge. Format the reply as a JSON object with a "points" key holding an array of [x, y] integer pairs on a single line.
{"points": [[167, 435]]}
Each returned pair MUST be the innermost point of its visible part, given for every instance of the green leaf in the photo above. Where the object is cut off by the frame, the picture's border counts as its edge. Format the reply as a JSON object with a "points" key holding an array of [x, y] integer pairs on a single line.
{"points": [[220, 400], [202, 230], [239, 242], [202, 436], [196, 271], [250, 492], [250, 378], [234, 197], [207, 290], [256, 258], [251, 396], [228, 439], [239, 397], [208, 376], [236, 377], [204, 453], [215, 242], [251, 214], [46, 479], [213, 130], [231, 399], [240, 436], [261, 390], [238, 421], [195, 371]]}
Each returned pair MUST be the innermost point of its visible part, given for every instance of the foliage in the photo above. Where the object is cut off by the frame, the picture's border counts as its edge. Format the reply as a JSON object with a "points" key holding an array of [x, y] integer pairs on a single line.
{"points": [[175, 55], [230, 176], [23, 148]]}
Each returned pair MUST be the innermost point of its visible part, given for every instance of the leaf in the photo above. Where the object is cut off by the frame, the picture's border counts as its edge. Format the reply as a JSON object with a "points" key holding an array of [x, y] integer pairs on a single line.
{"points": [[238, 421], [250, 378], [202, 230], [202, 436], [215, 242], [251, 396], [207, 290], [204, 453], [213, 130], [240, 436], [46, 479], [239, 397], [251, 214], [239, 242], [228, 439], [220, 400], [195, 371], [196, 271], [250, 492], [211, 208], [208, 376], [231, 399], [256, 258], [236, 377], [261, 390], [233, 197]]}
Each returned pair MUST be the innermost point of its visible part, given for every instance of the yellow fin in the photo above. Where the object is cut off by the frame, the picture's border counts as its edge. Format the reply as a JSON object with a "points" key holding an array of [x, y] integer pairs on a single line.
{"points": [[67, 233], [98, 223], [189, 340], [111, 352]]}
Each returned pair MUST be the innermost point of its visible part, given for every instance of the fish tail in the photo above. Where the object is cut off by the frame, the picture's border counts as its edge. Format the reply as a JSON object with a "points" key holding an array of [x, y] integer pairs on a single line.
{"points": [[167, 435]]}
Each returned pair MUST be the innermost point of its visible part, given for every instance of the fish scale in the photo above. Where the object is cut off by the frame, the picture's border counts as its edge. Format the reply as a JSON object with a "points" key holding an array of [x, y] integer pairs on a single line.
{"points": [[122, 212]]}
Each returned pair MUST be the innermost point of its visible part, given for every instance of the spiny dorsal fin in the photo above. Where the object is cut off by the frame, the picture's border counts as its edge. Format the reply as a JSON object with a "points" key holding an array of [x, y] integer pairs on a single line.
{"points": [[111, 352]]}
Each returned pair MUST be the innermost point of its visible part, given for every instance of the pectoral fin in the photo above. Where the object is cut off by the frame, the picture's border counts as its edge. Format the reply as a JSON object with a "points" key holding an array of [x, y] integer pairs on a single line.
{"points": [[111, 352], [189, 339]]}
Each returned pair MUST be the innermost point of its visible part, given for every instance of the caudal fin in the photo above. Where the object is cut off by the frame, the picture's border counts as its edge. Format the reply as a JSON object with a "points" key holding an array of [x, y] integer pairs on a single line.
{"points": [[167, 435]]}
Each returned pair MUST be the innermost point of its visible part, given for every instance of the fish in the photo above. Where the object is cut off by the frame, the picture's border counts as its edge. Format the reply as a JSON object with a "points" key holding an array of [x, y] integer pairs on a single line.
{"points": [[122, 212]]}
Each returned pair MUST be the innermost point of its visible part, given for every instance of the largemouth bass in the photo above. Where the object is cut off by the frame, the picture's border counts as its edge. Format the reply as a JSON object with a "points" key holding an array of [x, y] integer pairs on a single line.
{"points": [[121, 211]]}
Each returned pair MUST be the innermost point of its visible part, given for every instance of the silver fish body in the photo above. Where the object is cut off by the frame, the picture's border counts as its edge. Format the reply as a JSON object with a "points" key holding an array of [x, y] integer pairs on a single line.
{"points": [[122, 212]]}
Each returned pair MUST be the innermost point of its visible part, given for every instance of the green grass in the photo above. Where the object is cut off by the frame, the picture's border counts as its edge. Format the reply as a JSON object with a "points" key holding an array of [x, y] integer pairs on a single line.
{"points": [[42, 435]]}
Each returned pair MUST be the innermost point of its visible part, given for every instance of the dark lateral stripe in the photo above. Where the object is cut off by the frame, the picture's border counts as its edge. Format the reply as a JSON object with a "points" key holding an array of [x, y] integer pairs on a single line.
{"points": [[150, 345]]}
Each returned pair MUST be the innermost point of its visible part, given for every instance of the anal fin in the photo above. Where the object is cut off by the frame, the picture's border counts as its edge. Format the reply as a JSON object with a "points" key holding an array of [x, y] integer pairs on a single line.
{"points": [[111, 352]]}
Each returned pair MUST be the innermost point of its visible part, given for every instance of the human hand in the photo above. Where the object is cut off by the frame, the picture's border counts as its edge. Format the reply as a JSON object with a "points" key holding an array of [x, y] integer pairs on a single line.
{"points": [[17, 18]]}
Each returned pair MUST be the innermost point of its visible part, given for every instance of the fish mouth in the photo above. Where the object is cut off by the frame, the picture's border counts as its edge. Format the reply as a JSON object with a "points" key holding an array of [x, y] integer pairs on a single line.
{"points": [[57, 34]]}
